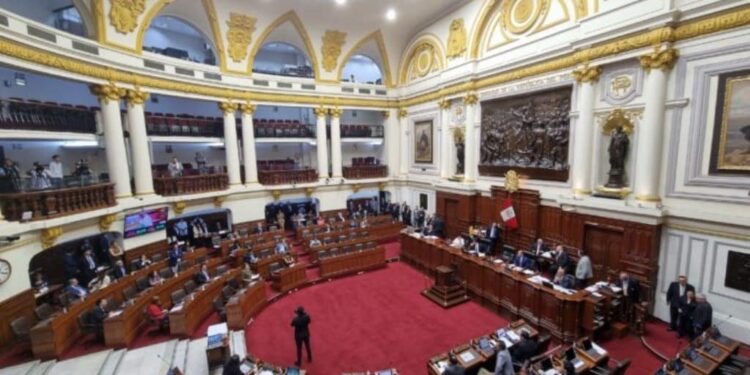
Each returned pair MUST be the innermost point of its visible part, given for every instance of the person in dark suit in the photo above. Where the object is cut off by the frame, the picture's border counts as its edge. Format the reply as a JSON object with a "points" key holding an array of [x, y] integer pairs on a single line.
{"points": [[437, 226], [120, 270], [687, 307], [559, 260], [453, 367], [301, 324], [71, 265], [493, 233], [203, 276], [526, 348], [258, 228], [538, 247], [232, 367], [563, 280], [521, 260], [98, 315], [76, 291], [677, 290], [88, 266], [631, 290], [702, 316], [175, 256]]}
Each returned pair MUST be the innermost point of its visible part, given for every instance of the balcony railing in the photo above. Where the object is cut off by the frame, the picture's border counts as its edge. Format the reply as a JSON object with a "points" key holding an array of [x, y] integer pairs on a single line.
{"points": [[287, 177], [44, 204], [167, 186], [365, 171], [49, 116], [285, 129], [362, 131], [184, 125]]}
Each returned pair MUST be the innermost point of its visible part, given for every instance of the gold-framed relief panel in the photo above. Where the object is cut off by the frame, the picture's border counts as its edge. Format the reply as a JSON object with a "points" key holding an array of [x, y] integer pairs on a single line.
{"points": [[730, 149]]}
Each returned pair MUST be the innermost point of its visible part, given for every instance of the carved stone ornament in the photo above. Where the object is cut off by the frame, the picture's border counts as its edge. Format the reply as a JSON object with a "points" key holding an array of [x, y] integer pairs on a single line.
{"points": [[179, 207], [50, 235], [618, 118], [321, 111], [587, 74], [309, 191], [331, 48], [136, 96], [239, 35], [219, 200], [105, 222], [356, 187], [512, 181], [123, 14], [471, 98], [386, 114], [336, 112], [661, 58], [456, 39], [402, 113]]}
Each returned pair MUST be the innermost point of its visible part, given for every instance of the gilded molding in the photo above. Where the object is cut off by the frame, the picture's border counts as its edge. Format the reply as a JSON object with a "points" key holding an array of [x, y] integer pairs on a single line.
{"points": [[227, 108], [663, 59], [512, 181], [219, 200], [321, 111], [179, 207], [444, 104], [356, 187], [336, 112], [402, 113], [49, 236], [456, 39], [276, 194], [136, 96], [587, 74], [648, 198], [386, 114], [123, 14], [239, 35], [213, 20], [471, 98], [105, 222], [333, 40], [108, 92], [581, 191], [290, 16], [309, 191], [247, 108], [617, 118], [425, 56]]}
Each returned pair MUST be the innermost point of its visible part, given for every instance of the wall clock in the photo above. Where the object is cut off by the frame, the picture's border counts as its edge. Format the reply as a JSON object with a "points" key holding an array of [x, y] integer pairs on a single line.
{"points": [[4, 270]]}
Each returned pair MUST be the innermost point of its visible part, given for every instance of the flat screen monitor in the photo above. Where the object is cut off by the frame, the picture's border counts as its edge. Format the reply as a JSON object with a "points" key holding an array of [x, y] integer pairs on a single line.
{"points": [[145, 221], [570, 354], [587, 344], [484, 344]]}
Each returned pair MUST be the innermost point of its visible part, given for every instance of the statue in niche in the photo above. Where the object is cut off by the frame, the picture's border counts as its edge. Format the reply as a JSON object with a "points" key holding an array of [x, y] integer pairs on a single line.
{"points": [[618, 151], [458, 140]]}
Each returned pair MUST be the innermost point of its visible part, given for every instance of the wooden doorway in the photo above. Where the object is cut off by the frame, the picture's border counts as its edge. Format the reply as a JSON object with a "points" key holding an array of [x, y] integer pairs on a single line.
{"points": [[603, 244]]}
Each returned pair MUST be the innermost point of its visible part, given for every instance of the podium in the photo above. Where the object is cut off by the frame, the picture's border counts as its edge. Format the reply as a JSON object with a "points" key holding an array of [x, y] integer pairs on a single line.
{"points": [[446, 291]]}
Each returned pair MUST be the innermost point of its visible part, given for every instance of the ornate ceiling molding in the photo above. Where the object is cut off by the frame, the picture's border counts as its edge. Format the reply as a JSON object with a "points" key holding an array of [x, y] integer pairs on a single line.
{"points": [[333, 40], [424, 56]]}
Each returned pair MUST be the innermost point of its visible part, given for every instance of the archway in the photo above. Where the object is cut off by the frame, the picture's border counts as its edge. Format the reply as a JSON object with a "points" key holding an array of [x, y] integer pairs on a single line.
{"points": [[65, 15], [363, 69], [174, 37], [281, 58]]}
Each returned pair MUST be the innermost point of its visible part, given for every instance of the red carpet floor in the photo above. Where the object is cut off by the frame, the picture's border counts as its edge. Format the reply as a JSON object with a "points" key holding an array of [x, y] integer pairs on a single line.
{"points": [[368, 322]]}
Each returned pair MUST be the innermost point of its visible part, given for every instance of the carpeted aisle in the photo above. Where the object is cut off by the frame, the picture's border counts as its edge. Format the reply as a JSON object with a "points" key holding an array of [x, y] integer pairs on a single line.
{"points": [[368, 322]]}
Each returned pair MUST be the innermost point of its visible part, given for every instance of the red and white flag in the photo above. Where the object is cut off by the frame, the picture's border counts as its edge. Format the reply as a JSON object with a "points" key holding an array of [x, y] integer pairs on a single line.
{"points": [[508, 214]]}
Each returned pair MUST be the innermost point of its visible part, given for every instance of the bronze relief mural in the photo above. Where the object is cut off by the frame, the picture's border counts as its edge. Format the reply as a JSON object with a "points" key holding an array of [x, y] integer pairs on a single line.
{"points": [[528, 134]]}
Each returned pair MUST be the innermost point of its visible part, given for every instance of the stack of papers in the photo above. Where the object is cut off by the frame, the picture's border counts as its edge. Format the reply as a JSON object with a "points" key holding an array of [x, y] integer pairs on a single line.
{"points": [[528, 272], [467, 356]]}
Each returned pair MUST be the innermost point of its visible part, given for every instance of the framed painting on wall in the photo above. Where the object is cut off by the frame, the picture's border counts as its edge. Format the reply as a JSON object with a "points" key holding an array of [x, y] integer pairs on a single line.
{"points": [[423, 142], [730, 149]]}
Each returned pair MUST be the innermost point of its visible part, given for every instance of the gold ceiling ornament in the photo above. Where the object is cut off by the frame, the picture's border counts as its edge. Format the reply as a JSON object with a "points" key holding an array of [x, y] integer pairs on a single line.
{"points": [[50, 235], [105, 222], [219, 200], [471, 98], [456, 39], [309, 191], [425, 57], [587, 74], [247, 108], [228, 107], [240, 28], [108, 92], [179, 207], [333, 40], [136, 96], [321, 111], [123, 14], [616, 119], [518, 16], [336, 112], [661, 58], [276, 194], [512, 181], [444, 104], [458, 134], [402, 113]]}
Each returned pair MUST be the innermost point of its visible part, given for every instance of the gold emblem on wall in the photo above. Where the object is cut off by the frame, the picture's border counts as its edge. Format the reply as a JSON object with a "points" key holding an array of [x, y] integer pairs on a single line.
{"points": [[123, 14], [659, 59], [331, 48], [276, 194], [617, 118], [456, 39], [50, 235], [309, 191], [105, 222], [512, 182], [219, 200], [179, 207], [239, 35]]}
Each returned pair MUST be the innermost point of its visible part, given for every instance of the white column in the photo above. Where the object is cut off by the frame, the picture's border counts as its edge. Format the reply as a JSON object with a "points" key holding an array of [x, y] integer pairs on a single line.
{"points": [[391, 139], [114, 141], [230, 142], [584, 131], [139, 148], [446, 138], [336, 142], [248, 143], [471, 146], [403, 123], [320, 132], [651, 131]]}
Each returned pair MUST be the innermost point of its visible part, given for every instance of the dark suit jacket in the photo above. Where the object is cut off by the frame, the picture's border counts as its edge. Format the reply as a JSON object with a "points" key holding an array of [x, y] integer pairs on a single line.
{"points": [[532, 248], [120, 272], [98, 316], [562, 260], [522, 261], [702, 316], [301, 324], [525, 350], [453, 370], [174, 257], [673, 293], [202, 278], [634, 289]]}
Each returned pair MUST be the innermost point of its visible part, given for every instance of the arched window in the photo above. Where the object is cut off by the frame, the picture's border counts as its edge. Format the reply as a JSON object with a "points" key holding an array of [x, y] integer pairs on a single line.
{"points": [[173, 37], [284, 59], [62, 15], [363, 69]]}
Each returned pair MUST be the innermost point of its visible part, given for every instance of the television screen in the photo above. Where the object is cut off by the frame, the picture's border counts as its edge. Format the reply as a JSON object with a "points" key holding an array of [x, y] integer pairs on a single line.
{"points": [[145, 221]]}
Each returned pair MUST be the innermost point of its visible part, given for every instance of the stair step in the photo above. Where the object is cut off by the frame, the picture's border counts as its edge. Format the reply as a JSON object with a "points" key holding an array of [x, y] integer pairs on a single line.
{"points": [[42, 368], [169, 351], [22, 369], [112, 362], [180, 356]]}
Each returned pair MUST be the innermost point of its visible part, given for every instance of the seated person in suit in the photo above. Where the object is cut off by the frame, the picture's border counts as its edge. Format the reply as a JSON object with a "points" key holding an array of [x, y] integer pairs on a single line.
{"points": [[156, 312], [250, 257], [563, 280], [120, 270], [234, 248], [76, 291], [521, 260], [203, 276], [143, 262], [453, 367], [315, 242], [525, 349], [458, 242], [281, 247], [100, 282], [258, 228], [155, 279], [538, 247], [98, 315], [40, 282], [559, 259], [248, 276]]}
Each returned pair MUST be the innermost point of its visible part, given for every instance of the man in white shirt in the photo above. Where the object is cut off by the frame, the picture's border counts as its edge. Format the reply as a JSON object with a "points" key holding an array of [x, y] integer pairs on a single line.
{"points": [[584, 271], [458, 242], [56, 172], [175, 168]]}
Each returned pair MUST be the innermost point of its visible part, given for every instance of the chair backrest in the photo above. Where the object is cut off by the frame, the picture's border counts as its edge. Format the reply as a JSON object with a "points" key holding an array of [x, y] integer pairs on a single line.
{"points": [[134, 265], [222, 269], [234, 284], [157, 257], [44, 311], [218, 304], [190, 286], [370, 244], [322, 254], [142, 283], [227, 292], [177, 296], [129, 292], [273, 267], [84, 320], [359, 246], [166, 272], [200, 259], [20, 327], [185, 264], [112, 304]]}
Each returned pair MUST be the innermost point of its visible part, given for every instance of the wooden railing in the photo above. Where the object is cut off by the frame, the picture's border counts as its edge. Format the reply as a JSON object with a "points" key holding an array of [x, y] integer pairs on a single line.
{"points": [[191, 184], [295, 176], [365, 171], [44, 204]]}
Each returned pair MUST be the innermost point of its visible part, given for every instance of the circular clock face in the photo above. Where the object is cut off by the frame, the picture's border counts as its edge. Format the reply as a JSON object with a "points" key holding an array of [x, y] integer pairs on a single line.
{"points": [[4, 271]]}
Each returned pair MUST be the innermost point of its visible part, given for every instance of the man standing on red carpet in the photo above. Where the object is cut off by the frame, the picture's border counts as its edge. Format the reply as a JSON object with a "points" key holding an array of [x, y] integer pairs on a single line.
{"points": [[301, 324]]}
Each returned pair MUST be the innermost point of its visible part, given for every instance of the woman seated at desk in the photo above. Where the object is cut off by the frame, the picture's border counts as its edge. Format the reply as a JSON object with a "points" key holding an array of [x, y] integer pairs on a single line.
{"points": [[100, 282], [155, 279], [248, 276], [157, 313], [563, 280]]}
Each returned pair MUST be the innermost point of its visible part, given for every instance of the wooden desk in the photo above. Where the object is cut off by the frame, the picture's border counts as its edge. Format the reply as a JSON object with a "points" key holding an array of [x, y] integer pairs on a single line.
{"points": [[289, 278], [700, 363], [245, 304], [352, 262], [262, 265], [187, 316]]}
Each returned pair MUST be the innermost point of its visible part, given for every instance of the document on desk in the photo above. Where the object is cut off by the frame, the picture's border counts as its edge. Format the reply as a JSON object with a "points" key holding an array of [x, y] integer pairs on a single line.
{"points": [[176, 308], [442, 365], [551, 372], [598, 349], [218, 329], [513, 335], [528, 272], [467, 356], [615, 288]]}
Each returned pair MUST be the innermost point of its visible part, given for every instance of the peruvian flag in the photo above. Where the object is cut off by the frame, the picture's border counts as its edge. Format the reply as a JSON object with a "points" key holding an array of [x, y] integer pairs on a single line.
{"points": [[508, 214]]}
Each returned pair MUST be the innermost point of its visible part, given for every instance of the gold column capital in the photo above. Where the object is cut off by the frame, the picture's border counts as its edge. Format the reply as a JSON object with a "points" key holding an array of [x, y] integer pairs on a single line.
{"points": [[105, 222], [136, 96], [108, 92], [587, 74], [228, 107], [50, 235], [321, 111], [386, 114], [336, 112], [661, 58], [444, 104], [247, 108], [402, 112], [471, 98]]}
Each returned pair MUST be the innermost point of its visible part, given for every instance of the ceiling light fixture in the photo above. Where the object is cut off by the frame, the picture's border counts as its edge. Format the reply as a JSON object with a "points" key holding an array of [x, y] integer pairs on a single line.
{"points": [[341, 2], [390, 15]]}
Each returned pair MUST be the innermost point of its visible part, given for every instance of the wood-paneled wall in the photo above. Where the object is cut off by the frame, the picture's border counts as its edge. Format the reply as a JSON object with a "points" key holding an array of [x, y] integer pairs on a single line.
{"points": [[22, 304], [457, 211]]}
